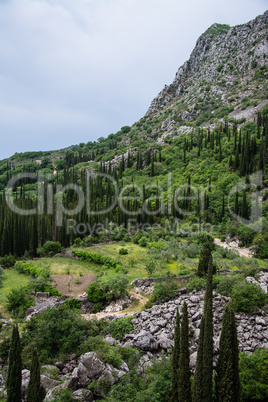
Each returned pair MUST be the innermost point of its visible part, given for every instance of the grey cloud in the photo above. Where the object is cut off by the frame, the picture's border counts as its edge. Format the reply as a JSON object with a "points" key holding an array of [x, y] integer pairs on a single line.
{"points": [[72, 71]]}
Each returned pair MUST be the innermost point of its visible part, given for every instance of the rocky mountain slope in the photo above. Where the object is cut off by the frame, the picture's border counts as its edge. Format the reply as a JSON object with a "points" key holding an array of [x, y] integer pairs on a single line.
{"points": [[226, 70]]}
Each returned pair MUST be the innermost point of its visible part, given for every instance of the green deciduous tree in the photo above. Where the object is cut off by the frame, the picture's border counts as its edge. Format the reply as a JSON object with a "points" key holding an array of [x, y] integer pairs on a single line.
{"points": [[227, 377], [14, 368]]}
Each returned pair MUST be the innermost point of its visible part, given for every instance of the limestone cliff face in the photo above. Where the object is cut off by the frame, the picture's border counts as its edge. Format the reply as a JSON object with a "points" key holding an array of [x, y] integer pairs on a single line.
{"points": [[226, 65]]}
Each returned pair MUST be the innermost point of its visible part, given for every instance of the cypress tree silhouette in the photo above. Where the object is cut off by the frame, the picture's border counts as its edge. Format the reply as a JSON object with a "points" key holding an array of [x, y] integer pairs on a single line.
{"points": [[184, 373], [227, 371], [14, 368], [204, 363], [36, 392], [205, 257], [175, 360]]}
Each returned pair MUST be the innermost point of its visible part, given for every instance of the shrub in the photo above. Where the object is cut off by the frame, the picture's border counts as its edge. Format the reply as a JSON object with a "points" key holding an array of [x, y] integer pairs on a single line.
{"points": [[95, 257], [154, 385], [104, 352], [164, 290], [220, 67], [123, 251], [18, 301], [245, 235], [254, 64], [29, 269], [143, 242], [109, 355], [192, 250], [253, 370], [261, 244], [72, 303], [115, 286], [50, 248], [7, 261], [91, 344], [77, 242], [157, 244], [1, 273], [63, 395], [196, 283], [150, 267], [119, 327], [226, 253], [246, 297], [224, 284], [54, 331], [41, 285], [95, 294]]}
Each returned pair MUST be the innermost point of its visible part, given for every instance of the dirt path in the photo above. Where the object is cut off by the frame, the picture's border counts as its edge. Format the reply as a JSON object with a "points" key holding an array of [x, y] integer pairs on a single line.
{"points": [[130, 311], [242, 251]]}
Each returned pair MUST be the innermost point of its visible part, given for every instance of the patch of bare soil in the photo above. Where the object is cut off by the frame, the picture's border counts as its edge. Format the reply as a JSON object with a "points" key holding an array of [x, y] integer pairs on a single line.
{"points": [[73, 285]]}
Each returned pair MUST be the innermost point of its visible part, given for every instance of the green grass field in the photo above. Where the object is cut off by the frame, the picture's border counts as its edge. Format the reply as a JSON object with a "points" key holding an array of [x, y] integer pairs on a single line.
{"points": [[64, 265], [135, 262], [11, 280]]}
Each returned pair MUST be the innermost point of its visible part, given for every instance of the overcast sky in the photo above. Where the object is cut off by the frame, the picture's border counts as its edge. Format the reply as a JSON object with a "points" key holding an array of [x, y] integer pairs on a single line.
{"points": [[72, 71]]}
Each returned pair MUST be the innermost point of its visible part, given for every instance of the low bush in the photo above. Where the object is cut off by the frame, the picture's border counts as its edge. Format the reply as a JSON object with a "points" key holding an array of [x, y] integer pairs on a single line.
{"points": [[104, 352], [107, 289], [226, 253], [42, 285], [95, 257], [50, 248], [114, 286], [261, 244], [196, 283], [63, 395], [7, 261], [253, 373], [123, 251], [164, 290], [18, 301], [28, 268], [248, 296], [95, 294], [143, 242], [119, 327], [2, 271], [157, 244], [224, 284], [72, 303], [154, 385], [55, 331]]}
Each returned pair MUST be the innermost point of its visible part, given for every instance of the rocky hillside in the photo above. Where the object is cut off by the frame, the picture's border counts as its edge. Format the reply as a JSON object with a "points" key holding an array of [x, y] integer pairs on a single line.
{"points": [[227, 71]]}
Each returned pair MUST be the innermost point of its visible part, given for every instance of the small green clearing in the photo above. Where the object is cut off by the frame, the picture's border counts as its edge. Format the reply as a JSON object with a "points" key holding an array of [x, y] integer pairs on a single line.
{"points": [[64, 265], [12, 279]]}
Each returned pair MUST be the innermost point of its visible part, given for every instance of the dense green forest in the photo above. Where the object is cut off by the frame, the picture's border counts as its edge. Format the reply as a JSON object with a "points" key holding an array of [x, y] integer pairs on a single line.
{"points": [[190, 179]]}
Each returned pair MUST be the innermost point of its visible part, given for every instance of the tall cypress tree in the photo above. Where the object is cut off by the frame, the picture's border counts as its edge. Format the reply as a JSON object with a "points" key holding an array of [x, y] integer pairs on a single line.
{"points": [[227, 371], [14, 368], [175, 358], [204, 363], [205, 257], [36, 392], [184, 373]]}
